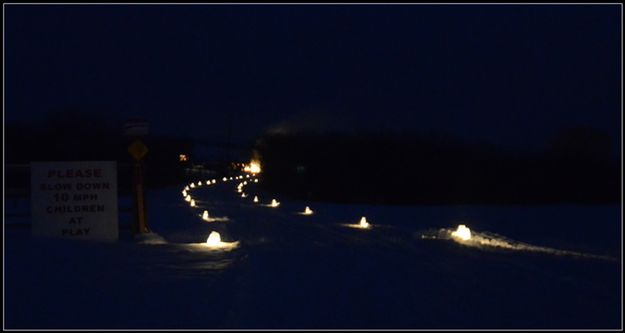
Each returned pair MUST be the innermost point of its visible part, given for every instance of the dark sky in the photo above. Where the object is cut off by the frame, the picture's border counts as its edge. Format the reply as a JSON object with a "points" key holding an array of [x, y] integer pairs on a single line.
{"points": [[508, 74]]}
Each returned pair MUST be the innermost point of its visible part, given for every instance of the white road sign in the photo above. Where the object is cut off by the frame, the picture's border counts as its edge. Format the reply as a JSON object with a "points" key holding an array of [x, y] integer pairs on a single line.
{"points": [[76, 200]]}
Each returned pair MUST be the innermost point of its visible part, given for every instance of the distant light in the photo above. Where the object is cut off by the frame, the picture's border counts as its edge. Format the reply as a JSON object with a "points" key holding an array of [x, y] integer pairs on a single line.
{"points": [[183, 158], [247, 176], [255, 199], [245, 182], [308, 211], [224, 179], [253, 167], [243, 195], [199, 183], [230, 178], [274, 203], [214, 181], [255, 180], [462, 233]]}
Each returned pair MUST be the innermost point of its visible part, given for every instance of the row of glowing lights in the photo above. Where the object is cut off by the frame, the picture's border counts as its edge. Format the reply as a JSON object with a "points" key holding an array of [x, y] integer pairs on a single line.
{"points": [[462, 233], [214, 238], [274, 203], [363, 224]]}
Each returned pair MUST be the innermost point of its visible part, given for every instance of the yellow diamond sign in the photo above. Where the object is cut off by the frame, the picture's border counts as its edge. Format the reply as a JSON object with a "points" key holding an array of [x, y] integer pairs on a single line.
{"points": [[137, 150]]}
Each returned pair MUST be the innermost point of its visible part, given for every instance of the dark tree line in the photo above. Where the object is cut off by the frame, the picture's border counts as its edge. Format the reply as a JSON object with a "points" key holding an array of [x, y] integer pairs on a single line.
{"points": [[404, 169], [72, 135]]}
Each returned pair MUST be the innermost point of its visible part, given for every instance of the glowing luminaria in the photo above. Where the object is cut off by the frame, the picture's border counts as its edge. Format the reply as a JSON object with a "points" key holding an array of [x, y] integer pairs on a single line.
{"points": [[255, 180], [274, 203], [187, 198], [205, 215], [363, 223], [214, 239], [255, 199], [192, 203], [243, 195], [184, 193], [199, 183], [224, 179], [214, 181], [186, 188], [192, 185], [462, 233], [307, 211]]}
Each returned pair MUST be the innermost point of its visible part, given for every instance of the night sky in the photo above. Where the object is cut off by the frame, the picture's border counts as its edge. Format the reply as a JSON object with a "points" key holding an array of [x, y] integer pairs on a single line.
{"points": [[507, 74]]}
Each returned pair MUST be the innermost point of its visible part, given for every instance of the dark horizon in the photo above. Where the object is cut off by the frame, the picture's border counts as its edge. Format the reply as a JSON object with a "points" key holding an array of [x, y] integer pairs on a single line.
{"points": [[511, 75]]}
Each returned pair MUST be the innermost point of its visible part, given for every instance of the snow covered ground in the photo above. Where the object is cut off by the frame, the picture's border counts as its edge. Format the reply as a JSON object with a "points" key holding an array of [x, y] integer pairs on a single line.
{"points": [[297, 271]]}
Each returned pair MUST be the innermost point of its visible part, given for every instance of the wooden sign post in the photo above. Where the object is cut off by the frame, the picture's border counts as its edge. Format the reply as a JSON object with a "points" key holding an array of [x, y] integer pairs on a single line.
{"points": [[135, 129], [138, 150]]}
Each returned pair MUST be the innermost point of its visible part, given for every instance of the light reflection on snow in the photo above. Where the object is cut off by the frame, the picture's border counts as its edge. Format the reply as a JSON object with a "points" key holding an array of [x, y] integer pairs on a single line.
{"points": [[307, 211], [362, 224], [274, 203], [485, 240], [214, 242], [149, 238], [206, 217]]}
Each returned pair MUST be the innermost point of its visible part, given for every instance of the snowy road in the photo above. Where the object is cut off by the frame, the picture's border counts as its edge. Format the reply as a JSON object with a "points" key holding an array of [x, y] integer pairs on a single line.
{"points": [[297, 271]]}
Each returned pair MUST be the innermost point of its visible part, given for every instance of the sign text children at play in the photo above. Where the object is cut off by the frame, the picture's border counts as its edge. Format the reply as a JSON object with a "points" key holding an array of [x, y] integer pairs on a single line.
{"points": [[75, 199]]}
